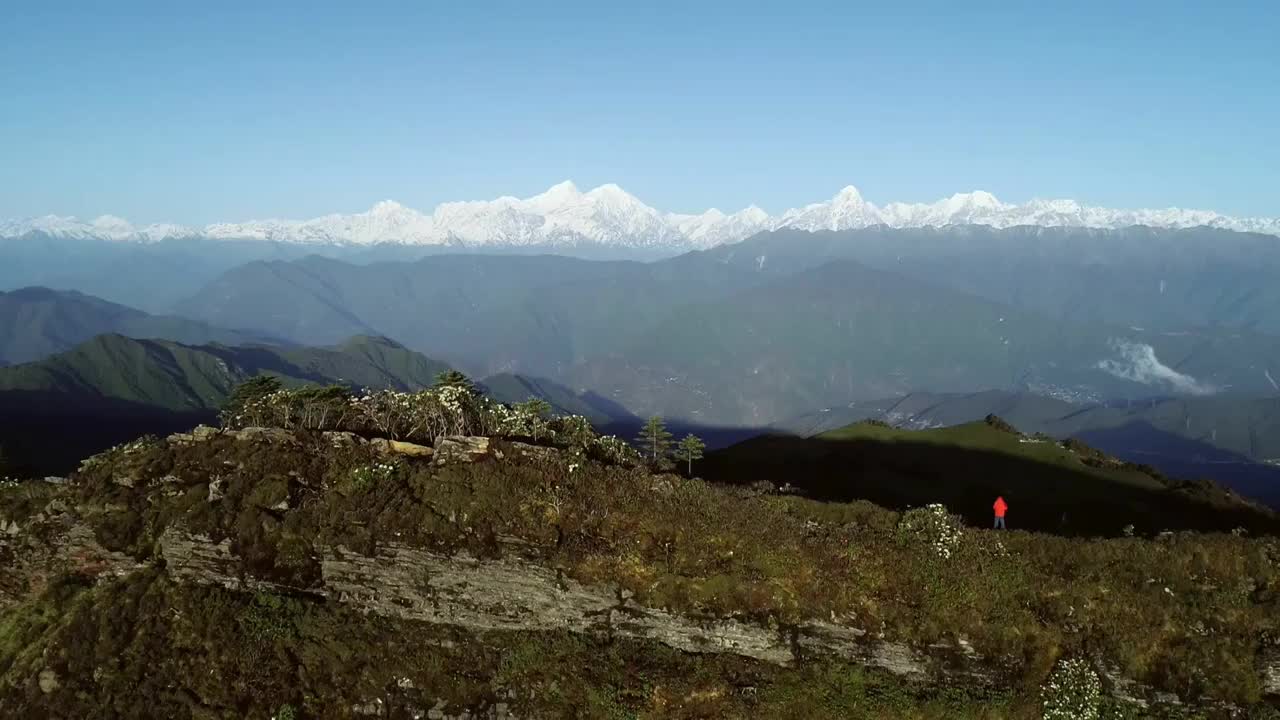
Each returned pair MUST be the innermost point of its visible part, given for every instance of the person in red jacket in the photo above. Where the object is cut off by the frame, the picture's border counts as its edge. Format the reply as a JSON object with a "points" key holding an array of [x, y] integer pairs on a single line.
{"points": [[1000, 507]]}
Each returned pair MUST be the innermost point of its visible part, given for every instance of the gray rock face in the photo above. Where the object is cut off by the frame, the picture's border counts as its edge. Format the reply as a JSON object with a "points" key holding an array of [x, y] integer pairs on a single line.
{"points": [[513, 594], [53, 545], [1271, 676], [460, 449]]}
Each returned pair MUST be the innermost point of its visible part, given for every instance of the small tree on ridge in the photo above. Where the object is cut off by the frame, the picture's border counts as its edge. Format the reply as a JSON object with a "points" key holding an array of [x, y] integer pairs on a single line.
{"points": [[453, 378], [654, 440], [690, 449]]}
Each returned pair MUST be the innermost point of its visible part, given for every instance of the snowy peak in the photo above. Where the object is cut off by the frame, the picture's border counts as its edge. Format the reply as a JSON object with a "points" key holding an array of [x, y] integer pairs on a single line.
{"points": [[609, 216], [849, 197], [103, 227], [557, 196]]}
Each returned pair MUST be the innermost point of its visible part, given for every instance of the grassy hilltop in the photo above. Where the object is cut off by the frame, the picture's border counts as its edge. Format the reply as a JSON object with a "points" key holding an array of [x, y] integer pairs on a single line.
{"points": [[974, 623]]}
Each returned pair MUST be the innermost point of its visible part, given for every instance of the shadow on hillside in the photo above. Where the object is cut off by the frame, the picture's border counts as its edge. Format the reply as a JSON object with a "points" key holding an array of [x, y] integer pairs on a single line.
{"points": [[715, 437], [256, 359], [1182, 457], [1042, 496], [46, 433]]}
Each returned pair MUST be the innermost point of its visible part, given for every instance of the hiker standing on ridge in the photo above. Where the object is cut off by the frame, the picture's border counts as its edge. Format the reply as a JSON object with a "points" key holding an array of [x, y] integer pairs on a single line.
{"points": [[1000, 507]]}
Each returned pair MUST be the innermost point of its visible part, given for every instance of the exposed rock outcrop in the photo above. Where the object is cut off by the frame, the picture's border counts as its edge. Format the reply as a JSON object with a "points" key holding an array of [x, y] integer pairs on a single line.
{"points": [[398, 447], [509, 594], [460, 449]]}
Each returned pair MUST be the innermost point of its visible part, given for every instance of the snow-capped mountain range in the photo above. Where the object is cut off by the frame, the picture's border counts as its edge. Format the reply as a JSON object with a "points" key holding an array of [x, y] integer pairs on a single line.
{"points": [[609, 216]]}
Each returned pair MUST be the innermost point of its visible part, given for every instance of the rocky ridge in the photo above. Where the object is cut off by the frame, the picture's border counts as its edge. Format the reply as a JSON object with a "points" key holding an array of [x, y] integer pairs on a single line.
{"points": [[507, 588]]}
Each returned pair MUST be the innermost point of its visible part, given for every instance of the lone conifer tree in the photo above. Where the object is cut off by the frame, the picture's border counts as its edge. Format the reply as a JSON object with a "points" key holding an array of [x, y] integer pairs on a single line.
{"points": [[453, 378], [654, 439], [690, 449]]}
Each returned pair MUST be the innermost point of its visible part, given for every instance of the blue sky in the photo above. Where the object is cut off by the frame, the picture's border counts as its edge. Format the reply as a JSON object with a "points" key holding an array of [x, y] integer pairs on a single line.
{"points": [[227, 111]]}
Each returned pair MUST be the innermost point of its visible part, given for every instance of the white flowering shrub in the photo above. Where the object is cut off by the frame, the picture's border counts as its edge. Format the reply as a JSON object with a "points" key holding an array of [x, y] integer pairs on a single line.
{"points": [[931, 525], [363, 478], [574, 433], [447, 409], [1072, 692], [8, 483], [615, 450]]}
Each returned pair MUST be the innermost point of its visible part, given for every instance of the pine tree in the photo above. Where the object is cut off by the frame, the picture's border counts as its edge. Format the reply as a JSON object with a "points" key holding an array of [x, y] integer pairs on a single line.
{"points": [[654, 439], [690, 449], [453, 378]]}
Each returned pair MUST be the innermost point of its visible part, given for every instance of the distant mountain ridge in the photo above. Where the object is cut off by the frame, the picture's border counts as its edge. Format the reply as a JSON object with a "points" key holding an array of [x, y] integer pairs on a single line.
{"points": [[607, 215], [36, 322], [160, 374], [720, 338]]}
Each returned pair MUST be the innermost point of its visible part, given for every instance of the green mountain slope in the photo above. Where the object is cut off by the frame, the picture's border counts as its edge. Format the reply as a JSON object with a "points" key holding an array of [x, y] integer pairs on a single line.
{"points": [[1231, 438], [1245, 425], [38, 322], [1049, 486], [169, 375]]}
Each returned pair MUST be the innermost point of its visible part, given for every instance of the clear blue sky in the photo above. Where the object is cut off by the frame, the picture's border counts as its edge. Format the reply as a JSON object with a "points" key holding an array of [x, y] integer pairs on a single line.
{"points": [[196, 112]]}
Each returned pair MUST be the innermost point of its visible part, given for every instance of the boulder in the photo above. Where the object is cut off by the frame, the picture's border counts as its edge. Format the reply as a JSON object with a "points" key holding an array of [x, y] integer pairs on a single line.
{"points": [[340, 439], [460, 449], [274, 435], [397, 447], [203, 432], [535, 452], [48, 681]]}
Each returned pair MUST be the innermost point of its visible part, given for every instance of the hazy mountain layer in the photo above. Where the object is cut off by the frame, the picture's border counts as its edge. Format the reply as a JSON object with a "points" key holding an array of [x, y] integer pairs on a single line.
{"points": [[38, 322], [721, 338]]}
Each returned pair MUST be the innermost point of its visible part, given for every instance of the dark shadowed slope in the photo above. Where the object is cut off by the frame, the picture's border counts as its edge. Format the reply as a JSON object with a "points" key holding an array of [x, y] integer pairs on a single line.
{"points": [[1234, 439], [112, 388], [1049, 487]]}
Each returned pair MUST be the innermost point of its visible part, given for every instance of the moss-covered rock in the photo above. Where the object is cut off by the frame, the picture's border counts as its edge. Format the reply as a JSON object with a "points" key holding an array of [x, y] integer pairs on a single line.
{"points": [[1191, 619]]}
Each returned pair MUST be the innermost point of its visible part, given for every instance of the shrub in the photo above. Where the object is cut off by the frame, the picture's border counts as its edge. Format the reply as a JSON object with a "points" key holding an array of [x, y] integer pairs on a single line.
{"points": [[1072, 692], [933, 526], [613, 449], [1001, 424], [574, 433]]}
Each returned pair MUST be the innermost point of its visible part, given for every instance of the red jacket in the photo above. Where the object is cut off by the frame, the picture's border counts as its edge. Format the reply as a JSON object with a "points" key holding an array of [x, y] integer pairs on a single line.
{"points": [[1000, 507]]}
